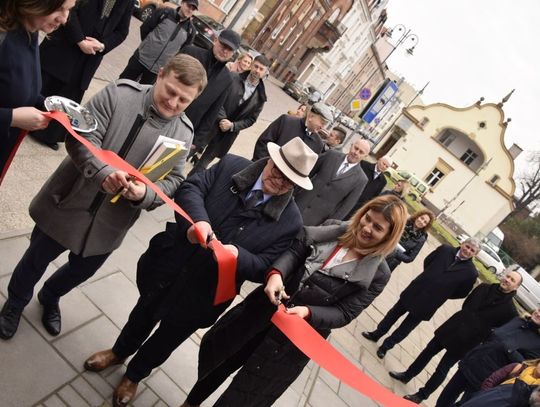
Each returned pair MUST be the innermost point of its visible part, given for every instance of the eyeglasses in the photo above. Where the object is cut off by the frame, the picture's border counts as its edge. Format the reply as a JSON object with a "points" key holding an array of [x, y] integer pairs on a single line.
{"points": [[277, 173]]}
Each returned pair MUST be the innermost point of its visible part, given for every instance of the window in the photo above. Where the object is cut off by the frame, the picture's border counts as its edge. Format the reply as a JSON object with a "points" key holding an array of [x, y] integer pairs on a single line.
{"points": [[468, 157], [447, 138], [434, 177]]}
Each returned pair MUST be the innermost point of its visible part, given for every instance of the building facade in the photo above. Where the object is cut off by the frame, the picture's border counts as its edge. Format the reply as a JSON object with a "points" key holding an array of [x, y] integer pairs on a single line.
{"points": [[461, 155], [291, 33]]}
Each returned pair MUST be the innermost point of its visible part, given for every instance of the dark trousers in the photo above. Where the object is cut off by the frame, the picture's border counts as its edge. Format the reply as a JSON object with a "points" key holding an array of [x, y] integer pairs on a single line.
{"points": [[180, 313], [136, 71], [432, 348], [55, 132], [43, 249], [450, 394], [210, 152], [401, 332]]}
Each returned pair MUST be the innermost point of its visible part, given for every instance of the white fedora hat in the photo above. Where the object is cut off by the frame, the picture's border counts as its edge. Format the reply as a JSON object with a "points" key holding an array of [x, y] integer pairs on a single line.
{"points": [[295, 160]]}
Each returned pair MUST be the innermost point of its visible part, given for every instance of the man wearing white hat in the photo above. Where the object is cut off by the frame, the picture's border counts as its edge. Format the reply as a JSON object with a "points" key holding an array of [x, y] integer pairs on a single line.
{"points": [[249, 208]]}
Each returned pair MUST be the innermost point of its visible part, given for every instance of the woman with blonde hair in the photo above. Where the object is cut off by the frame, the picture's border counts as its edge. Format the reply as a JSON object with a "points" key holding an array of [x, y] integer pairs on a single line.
{"points": [[242, 63], [20, 73], [332, 273]]}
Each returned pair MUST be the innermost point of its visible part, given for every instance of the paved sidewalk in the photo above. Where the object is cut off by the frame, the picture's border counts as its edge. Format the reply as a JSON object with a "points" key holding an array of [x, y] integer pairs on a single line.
{"points": [[40, 370]]}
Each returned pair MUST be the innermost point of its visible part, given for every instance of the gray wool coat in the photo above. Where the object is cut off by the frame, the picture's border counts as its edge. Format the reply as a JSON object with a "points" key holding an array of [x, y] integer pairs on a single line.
{"points": [[71, 207], [332, 196]]}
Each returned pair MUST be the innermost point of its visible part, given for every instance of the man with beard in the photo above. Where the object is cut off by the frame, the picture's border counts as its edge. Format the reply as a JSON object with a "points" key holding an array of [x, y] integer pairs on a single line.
{"points": [[240, 111]]}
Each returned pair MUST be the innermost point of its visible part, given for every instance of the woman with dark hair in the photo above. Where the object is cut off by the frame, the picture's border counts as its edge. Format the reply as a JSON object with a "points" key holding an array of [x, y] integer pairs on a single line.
{"points": [[20, 77], [333, 273], [413, 238]]}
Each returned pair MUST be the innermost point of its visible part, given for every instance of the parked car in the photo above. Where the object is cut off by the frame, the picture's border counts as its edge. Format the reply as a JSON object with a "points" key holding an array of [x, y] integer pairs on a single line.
{"points": [[418, 187], [207, 30], [489, 258], [245, 48], [528, 294], [312, 95], [347, 122], [294, 89], [144, 9]]}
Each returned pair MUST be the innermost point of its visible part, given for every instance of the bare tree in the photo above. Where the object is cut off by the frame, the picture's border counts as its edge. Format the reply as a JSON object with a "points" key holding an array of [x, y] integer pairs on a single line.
{"points": [[529, 183]]}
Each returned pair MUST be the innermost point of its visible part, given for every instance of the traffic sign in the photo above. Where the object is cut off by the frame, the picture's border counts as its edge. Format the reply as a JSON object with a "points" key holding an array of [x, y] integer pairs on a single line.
{"points": [[355, 105], [365, 94]]}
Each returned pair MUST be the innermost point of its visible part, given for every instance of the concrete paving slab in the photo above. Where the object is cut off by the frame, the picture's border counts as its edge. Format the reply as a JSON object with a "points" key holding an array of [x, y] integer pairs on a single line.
{"points": [[11, 251], [114, 295], [165, 388], [181, 367], [71, 397], [146, 398], [54, 401], [98, 383], [87, 392], [24, 358], [78, 345], [323, 396]]}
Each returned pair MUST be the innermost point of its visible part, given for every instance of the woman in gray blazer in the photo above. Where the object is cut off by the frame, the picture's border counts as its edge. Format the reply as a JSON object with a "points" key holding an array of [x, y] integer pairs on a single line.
{"points": [[333, 272]]}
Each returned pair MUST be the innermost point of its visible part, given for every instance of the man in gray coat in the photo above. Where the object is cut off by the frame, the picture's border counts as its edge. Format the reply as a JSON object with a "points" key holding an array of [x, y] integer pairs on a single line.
{"points": [[73, 210], [163, 35], [338, 181]]}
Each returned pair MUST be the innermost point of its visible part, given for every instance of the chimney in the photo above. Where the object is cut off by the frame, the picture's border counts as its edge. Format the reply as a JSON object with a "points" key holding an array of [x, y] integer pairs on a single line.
{"points": [[515, 150]]}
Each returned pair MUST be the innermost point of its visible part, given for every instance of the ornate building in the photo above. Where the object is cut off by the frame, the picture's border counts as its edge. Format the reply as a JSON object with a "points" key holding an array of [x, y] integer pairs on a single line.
{"points": [[292, 32]]}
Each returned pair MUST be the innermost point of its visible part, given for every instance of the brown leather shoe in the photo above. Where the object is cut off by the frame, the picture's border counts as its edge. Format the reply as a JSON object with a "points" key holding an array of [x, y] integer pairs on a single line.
{"points": [[102, 360], [124, 392]]}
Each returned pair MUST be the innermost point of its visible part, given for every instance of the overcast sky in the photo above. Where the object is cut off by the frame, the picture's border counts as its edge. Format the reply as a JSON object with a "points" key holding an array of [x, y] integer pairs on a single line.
{"points": [[473, 48]]}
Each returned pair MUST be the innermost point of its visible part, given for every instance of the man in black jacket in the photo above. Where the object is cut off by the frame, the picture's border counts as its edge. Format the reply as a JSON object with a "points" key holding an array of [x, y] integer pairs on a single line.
{"points": [[240, 111], [376, 182], [488, 306], [250, 207], [516, 341], [449, 273], [162, 35], [71, 55], [203, 112], [286, 127]]}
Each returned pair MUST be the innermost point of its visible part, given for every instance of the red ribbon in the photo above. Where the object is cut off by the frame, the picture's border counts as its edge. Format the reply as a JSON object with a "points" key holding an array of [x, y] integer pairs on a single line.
{"points": [[315, 347], [226, 286]]}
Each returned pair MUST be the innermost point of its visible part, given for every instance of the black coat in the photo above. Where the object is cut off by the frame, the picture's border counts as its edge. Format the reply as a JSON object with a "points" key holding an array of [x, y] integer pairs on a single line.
{"points": [[373, 187], [245, 332], [332, 196], [443, 278], [503, 395], [204, 110], [242, 116], [217, 196], [62, 58], [412, 246], [485, 308], [515, 341], [283, 129]]}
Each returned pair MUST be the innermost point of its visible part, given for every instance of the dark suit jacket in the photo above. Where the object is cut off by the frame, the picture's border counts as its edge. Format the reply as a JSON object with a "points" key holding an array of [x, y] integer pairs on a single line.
{"points": [[203, 111], [332, 196], [284, 129], [443, 278], [62, 58], [242, 116], [373, 187]]}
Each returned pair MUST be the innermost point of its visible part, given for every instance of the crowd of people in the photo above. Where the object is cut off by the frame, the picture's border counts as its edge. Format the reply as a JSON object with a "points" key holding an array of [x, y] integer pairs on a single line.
{"points": [[313, 225]]}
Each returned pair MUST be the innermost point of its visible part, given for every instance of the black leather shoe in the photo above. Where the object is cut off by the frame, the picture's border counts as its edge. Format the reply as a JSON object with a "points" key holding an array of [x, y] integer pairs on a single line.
{"points": [[370, 336], [51, 319], [381, 352], [53, 146], [401, 376], [415, 398], [9, 321]]}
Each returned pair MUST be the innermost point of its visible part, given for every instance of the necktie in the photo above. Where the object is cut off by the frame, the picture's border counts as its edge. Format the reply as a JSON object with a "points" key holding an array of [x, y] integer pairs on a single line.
{"points": [[343, 168], [107, 8], [255, 198]]}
